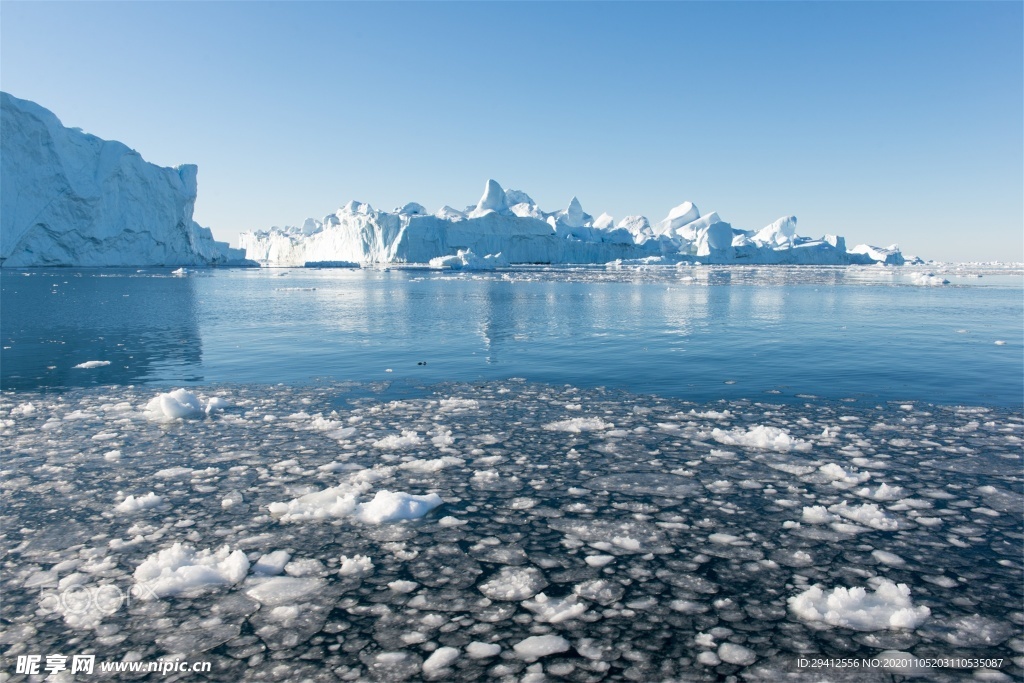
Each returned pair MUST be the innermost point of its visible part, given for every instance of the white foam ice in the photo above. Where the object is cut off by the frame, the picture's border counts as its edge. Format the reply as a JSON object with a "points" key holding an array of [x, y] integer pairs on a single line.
{"points": [[408, 439], [928, 279], [464, 259], [817, 514], [577, 425], [736, 654], [761, 436], [843, 477], [883, 493], [391, 506], [555, 610], [141, 502], [344, 500], [514, 583], [182, 568], [274, 591], [479, 650], [535, 647], [889, 606], [271, 563], [179, 404], [432, 466], [357, 565], [868, 514], [440, 659]]}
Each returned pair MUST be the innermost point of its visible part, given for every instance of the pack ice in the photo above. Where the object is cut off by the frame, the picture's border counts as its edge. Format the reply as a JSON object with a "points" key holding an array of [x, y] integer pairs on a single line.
{"points": [[73, 199], [507, 227]]}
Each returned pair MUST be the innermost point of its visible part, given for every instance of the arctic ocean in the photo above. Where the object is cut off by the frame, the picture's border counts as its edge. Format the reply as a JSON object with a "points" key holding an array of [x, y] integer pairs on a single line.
{"points": [[571, 473]]}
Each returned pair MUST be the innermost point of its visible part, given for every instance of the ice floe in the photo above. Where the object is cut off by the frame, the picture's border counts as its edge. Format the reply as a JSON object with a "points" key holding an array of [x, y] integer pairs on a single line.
{"points": [[181, 568], [888, 606]]}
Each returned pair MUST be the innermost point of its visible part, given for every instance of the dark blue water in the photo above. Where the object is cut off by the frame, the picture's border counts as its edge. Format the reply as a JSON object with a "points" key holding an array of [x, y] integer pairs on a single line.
{"points": [[702, 333]]}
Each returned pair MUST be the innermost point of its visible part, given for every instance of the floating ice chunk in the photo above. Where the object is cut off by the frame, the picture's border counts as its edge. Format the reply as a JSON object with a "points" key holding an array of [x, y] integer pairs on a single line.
{"points": [[136, 503], [452, 405], [978, 631], [440, 659], [712, 414], [601, 591], [465, 259], [90, 364], [478, 650], [927, 280], [26, 409], [307, 566], [430, 466], [885, 557], [727, 539], [337, 501], [281, 590], [736, 654], [389, 506], [173, 405], [888, 607], [180, 568], [598, 560], [172, 472], [357, 565], [403, 586], [514, 583], [761, 436], [883, 493], [838, 475], [867, 514], [272, 563], [708, 658], [555, 611], [817, 514], [216, 404], [451, 521], [1000, 342], [406, 440], [535, 647], [577, 425]]}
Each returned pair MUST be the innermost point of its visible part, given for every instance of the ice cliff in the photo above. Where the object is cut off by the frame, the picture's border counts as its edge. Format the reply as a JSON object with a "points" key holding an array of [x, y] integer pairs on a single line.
{"points": [[72, 199], [507, 227]]}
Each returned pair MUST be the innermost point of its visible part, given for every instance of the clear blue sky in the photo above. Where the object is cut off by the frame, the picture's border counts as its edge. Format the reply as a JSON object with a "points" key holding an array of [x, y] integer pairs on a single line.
{"points": [[884, 122]]}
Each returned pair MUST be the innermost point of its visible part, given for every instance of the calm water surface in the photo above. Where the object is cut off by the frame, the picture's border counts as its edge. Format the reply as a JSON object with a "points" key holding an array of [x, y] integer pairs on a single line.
{"points": [[697, 333]]}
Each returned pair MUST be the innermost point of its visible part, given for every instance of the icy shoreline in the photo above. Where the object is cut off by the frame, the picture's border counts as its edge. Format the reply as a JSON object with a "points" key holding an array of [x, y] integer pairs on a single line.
{"points": [[585, 534]]}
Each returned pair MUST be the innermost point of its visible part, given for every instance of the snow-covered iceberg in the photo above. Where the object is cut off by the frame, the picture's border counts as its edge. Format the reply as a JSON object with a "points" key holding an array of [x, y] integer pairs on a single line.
{"points": [[73, 199], [507, 227]]}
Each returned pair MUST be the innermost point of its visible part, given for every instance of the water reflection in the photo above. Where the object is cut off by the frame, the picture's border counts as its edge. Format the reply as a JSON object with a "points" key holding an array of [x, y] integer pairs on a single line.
{"points": [[53, 320], [682, 332]]}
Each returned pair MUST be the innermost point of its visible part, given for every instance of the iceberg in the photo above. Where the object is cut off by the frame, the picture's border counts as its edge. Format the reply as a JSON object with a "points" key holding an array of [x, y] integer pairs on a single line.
{"points": [[506, 227], [72, 199]]}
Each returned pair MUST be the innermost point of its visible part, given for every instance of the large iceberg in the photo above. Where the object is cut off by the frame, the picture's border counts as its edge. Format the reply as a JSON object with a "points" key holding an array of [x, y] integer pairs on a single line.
{"points": [[507, 227], [73, 199]]}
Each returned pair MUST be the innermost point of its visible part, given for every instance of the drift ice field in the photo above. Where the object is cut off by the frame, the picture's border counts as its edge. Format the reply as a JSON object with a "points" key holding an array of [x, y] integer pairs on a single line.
{"points": [[621, 473]]}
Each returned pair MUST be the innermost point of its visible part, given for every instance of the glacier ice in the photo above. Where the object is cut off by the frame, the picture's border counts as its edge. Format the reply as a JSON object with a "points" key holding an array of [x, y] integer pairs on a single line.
{"points": [[73, 199], [507, 227]]}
